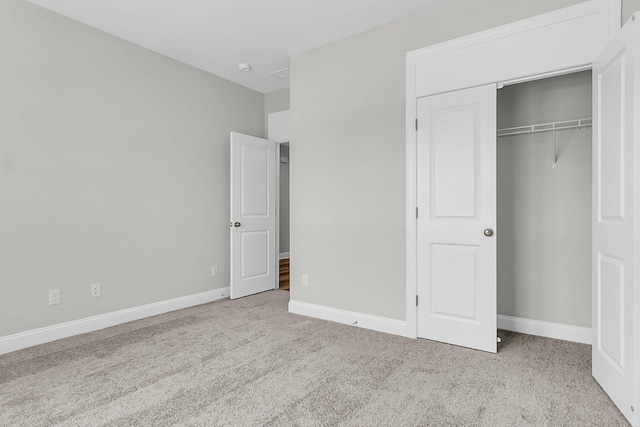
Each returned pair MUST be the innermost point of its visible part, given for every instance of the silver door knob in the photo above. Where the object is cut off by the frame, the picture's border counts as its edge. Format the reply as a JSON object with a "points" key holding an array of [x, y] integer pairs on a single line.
{"points": [[488, 232], [236, 224]]}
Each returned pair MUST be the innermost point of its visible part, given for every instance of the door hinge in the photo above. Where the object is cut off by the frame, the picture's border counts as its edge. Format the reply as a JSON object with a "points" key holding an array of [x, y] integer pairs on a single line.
{"points": [[416, 124], [416, 212], [416, 300]]}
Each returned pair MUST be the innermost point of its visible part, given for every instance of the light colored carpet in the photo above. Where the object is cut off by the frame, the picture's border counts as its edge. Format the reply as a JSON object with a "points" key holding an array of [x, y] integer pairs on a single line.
{"points": [[250, 363]]}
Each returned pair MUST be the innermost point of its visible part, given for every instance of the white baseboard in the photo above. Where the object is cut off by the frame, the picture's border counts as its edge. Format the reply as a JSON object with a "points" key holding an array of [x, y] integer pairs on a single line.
{"points": [[376, 323], [545, 329], [26, 339], [284, 255], [398, 327]]}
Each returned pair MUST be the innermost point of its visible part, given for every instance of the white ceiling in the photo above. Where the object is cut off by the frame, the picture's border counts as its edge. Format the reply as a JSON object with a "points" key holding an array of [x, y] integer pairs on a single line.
{"points": [[217, 35]]}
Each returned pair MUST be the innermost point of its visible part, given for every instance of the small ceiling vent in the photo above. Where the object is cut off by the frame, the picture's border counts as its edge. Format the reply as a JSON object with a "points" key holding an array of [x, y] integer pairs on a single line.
{"points": [[281, 74]]}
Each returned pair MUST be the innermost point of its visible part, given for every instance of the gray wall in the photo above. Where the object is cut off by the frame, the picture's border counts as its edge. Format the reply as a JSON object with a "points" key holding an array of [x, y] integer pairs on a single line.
{"points": [[347, 210], [544, 214], [115, 169], [274, 102]]}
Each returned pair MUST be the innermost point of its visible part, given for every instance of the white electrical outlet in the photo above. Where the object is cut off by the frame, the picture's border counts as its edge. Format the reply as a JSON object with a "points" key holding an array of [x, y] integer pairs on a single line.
{"points": [[214, 270], [96, 290], [54, 296], [305, 280]]}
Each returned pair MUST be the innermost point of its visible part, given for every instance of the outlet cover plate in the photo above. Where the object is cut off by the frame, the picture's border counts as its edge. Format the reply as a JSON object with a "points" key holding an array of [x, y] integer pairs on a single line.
{"points": [[54, 296], [96, 290]]}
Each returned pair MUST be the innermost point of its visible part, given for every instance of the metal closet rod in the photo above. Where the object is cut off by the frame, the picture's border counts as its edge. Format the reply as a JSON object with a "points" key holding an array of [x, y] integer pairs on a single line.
{"points": [[546, 127]]}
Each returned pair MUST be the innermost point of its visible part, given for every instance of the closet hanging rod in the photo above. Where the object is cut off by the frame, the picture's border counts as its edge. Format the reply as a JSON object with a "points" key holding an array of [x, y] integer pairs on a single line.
{"points": [[546, 127]]}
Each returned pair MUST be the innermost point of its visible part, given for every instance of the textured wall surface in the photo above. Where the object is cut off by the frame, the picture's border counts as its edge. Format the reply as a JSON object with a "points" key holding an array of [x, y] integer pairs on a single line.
{"points": [[544, 213], [348, 150], [115, 169]]}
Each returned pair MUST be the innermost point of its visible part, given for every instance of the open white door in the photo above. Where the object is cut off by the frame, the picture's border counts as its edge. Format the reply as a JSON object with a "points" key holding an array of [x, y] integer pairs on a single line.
{"points": [[616, 245], [253, 215], [456, 191]]}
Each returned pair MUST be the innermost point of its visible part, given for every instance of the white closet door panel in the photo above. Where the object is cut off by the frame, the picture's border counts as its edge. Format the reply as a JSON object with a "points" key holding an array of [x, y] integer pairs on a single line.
{"points": [[254, 181], [254, 245], [615, 254], [456, 145], [455, 270], [611, 131], [453, 162]]}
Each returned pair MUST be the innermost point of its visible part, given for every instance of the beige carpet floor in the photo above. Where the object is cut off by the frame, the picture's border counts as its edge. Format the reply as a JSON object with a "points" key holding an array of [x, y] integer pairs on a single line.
{"points": [[250, 363]]}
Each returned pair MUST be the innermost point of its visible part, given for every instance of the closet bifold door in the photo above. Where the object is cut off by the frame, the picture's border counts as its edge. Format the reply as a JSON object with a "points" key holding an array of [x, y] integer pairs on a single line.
{"points": [[456, 226], [615, 218]]}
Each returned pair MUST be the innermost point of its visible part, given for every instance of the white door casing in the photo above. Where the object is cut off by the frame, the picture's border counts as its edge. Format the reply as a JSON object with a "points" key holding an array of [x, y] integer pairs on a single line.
{"points": [[456, 184], [616, 76], [253, 215], [279, 126]]}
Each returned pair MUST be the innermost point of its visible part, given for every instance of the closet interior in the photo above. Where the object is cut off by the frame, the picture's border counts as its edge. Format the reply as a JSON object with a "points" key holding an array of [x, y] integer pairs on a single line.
{"points": [[544, 200]]}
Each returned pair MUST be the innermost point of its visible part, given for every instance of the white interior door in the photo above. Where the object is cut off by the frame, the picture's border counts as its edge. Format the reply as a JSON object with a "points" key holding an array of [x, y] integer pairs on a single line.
{"points": [[253, 215], [456, 191], [616, 77]]}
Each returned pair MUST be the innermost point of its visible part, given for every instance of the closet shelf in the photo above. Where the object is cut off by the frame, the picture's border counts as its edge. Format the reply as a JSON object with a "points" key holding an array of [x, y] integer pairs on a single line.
{"points": [[546, 127]]}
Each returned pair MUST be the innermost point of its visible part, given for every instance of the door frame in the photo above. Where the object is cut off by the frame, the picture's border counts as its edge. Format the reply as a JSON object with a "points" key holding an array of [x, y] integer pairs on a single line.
{"points": [[278, 163], [278, 131], [277, 257], [434, 70]]}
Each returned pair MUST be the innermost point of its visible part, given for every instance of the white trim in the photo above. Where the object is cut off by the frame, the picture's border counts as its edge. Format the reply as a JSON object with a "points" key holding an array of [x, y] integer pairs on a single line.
{"points": [[284, 255], [578, 33], [547, 75], [367, 321], [411, 222], [610, 9], [398, 327], [279, 126], [545, 329], [26, 339], [276, 285]]}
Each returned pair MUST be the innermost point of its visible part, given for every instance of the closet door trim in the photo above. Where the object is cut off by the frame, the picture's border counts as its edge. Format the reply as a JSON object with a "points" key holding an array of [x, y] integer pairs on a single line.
{"points": [[564, 39], [550, 44]]}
